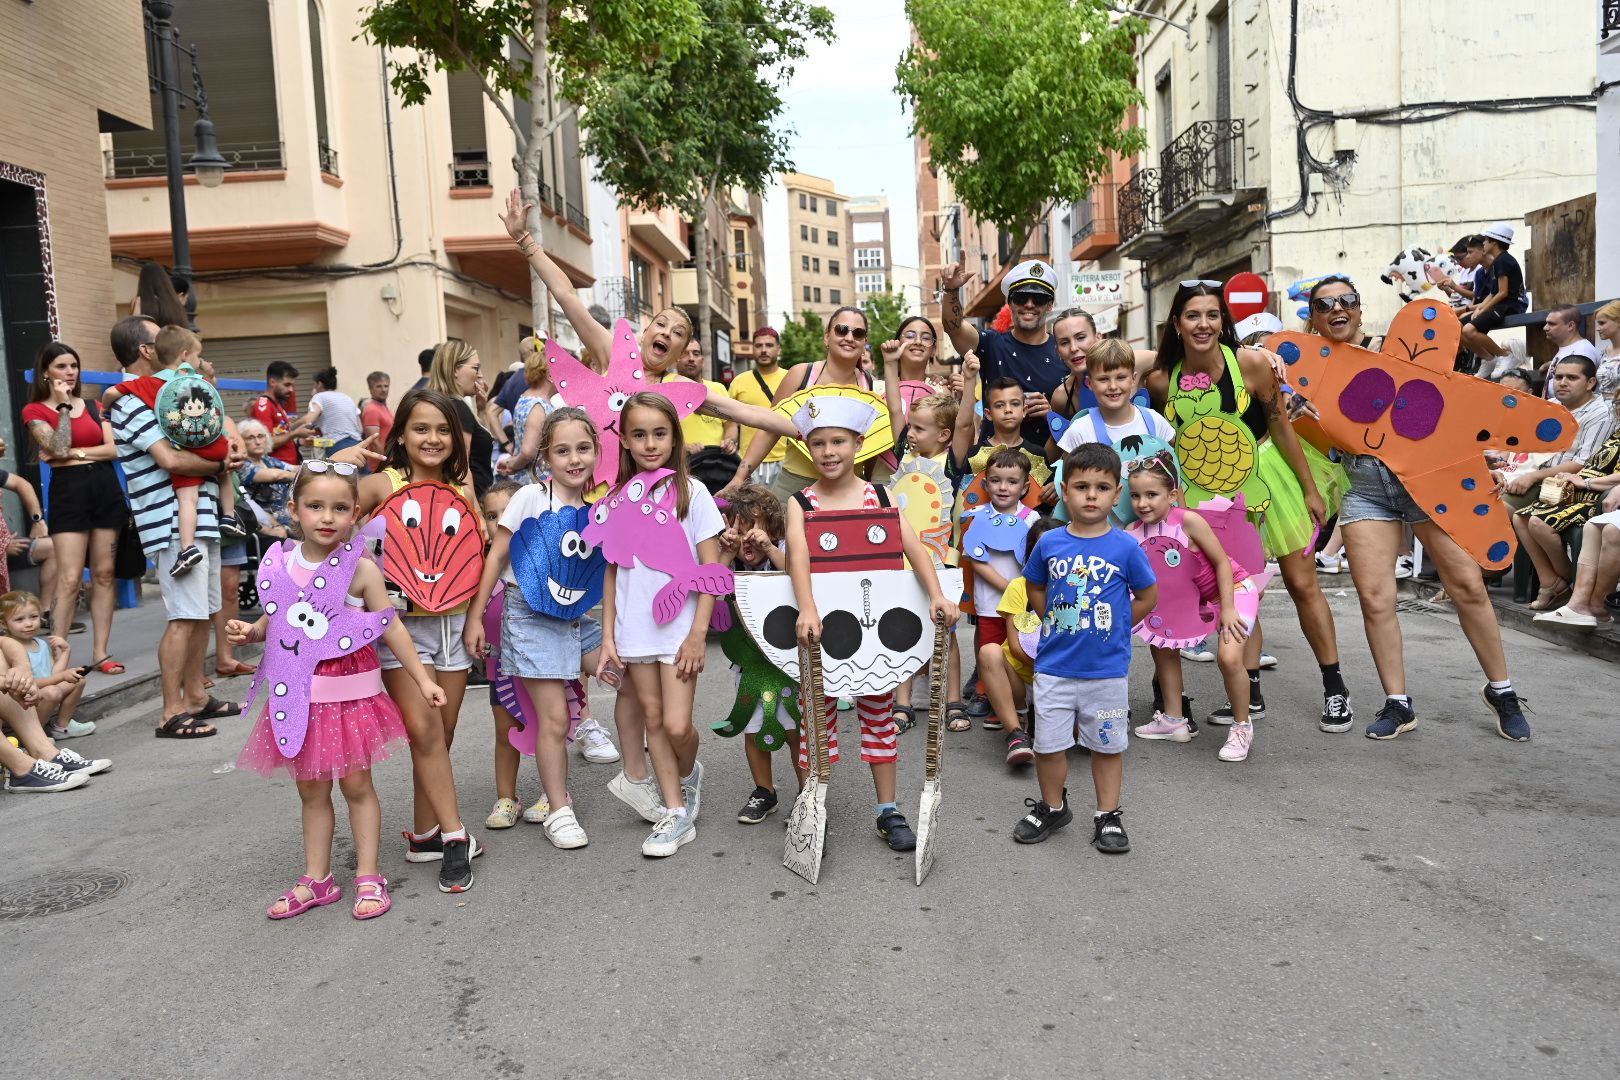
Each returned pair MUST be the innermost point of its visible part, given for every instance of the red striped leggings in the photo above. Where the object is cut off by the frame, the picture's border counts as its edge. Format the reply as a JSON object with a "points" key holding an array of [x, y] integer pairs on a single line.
{"points": [[880, 735]]}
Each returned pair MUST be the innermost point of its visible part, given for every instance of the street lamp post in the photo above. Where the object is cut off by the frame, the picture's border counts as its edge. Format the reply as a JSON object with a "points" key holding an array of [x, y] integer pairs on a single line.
{"points": [[205, 161]]}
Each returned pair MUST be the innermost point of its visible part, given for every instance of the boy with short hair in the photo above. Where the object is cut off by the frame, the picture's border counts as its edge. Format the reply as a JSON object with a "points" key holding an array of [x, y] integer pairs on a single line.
{"points": [[1090, 583], [1008, 666], [995, 563], [1111, 373], [1004, 407]]}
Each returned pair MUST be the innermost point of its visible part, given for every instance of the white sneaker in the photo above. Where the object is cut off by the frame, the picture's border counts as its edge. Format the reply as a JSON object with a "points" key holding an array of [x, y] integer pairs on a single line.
{"points": [[1403, 567], [594, 743], [668, 835], [1267, 661], [504, 814], [563, 829], [1329, 564], [693, 792], [1199, 654], [639, 795], [76, 729], [536, 814]]}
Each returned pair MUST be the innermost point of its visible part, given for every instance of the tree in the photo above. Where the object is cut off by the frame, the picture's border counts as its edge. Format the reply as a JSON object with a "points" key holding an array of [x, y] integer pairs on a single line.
{"points": [[884, 311], [679, 130], [511, 45], [804, 341], [1021, 102]]}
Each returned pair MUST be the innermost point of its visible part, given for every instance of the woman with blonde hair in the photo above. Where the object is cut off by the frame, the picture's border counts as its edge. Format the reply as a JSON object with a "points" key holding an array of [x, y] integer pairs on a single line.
{"points": [[456, 373], [1606, 321], [524, 464]]}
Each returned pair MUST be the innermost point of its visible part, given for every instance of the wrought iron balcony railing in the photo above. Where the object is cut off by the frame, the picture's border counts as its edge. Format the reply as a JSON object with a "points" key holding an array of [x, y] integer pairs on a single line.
{"points": [[1139, 204], [244, 157], [1206, 159], [1611, 19], [328, 158], [619, 296], [470, 169], [1096, 213]]}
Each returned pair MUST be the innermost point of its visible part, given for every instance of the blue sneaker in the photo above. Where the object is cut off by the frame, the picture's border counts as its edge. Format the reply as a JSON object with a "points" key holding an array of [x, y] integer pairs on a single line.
{"points": [[46, 776], [1393, 719], [1510, 721]]}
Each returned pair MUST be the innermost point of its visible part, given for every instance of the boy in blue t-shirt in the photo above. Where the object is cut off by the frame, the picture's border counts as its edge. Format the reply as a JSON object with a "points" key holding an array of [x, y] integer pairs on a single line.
{"points": [[1091, 584]]}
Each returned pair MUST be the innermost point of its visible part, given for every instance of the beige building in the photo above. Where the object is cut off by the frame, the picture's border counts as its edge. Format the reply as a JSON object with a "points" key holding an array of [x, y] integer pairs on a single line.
{"points": [[64, 88], [820, 277], [870, 256], [746, 273], [350, 230]]}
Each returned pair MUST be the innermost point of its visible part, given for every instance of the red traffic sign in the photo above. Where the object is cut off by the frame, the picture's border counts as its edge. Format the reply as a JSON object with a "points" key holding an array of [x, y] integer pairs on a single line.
{"points": [[1246, 295]]}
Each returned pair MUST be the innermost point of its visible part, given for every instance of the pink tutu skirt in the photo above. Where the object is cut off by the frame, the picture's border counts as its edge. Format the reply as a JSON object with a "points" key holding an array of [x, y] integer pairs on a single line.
{"points": [[343, 736]]}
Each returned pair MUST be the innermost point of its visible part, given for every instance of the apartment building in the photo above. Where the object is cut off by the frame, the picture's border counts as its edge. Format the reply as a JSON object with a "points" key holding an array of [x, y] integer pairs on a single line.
{"points": [[1328, 144], [869, 251], [746, 273], [820, 277], [350, 230]]}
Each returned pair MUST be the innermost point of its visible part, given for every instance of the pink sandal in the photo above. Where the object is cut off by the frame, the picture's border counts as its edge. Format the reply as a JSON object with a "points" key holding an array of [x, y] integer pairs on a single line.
{"points": [[374, 889], [321, 894]]}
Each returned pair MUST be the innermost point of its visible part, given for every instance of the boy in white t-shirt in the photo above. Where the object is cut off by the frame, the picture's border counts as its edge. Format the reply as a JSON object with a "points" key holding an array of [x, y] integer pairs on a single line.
{"points": [[1111, 374]]}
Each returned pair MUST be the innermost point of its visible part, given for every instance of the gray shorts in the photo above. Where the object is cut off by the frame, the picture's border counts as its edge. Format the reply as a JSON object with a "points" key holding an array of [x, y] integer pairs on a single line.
{"points": [[1376, 494], [438, 643], [538, 646], [194, 595], [1093, 712]]}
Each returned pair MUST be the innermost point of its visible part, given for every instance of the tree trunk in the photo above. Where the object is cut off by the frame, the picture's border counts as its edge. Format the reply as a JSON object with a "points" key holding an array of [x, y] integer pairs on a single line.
{"points": [[700, 257], [530, 163]]}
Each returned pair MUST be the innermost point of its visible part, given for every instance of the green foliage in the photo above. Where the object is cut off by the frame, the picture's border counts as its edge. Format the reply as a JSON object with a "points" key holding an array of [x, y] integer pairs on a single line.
{"points": [[804, 340], [1021, 102], [884, 311]]}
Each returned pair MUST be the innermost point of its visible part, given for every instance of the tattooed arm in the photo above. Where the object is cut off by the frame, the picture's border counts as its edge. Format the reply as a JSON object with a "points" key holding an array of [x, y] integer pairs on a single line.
{"points": [[950, 284], [1263, 387]]}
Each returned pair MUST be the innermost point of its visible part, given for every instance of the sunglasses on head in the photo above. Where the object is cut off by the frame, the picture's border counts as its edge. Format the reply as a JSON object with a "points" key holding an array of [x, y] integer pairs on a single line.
{"points": [[1208, 283], [856, 332], [1348, 300], [1021, 299], [320, 465]]}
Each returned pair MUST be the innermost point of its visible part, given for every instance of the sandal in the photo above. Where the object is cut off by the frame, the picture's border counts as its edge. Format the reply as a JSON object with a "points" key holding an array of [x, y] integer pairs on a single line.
{"points": [[185, 726], [237, 668], [218, 710], [1551, 596], [371, 889], [959, 720], [108, 666], [904, 717], [321, 893]]}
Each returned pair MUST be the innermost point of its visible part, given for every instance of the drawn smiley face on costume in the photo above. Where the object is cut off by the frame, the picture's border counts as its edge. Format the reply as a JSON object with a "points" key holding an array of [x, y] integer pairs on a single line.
{"points": [[559, 572], [433, 551]]}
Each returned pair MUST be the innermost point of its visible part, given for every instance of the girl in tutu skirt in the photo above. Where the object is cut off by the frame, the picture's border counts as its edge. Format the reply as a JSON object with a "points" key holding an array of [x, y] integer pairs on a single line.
{"points": [[327, 716]]}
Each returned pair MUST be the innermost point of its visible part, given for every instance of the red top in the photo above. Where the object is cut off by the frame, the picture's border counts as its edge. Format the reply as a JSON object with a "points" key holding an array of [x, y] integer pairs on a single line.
{"points": [[268, 411], [86, 429], [375, 413]]}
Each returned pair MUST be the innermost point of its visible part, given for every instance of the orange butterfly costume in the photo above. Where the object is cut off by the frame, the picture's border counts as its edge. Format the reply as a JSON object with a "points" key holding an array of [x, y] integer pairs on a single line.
{"points": [[1428, 424]]}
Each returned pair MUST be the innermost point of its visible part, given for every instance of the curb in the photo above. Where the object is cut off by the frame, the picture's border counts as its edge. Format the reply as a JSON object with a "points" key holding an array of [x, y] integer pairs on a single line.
{"points": [[141, 690], [1602, 644]]}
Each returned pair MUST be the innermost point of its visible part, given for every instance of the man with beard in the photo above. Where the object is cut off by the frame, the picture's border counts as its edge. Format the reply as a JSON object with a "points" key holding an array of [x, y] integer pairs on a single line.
{"points": [[1027, 352]]}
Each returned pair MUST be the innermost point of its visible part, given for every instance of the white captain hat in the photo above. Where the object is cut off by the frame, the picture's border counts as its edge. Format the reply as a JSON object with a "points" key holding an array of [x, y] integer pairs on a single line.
{"points": [[1031, 275], [834, 411]]}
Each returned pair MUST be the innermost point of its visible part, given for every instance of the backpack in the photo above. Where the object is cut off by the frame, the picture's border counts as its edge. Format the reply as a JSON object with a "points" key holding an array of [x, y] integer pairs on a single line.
{"points": [[189, 410]]}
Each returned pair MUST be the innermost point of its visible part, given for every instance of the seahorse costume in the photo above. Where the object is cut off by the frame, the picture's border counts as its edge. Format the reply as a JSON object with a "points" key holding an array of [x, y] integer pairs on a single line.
{"points": [[1223, 452]]}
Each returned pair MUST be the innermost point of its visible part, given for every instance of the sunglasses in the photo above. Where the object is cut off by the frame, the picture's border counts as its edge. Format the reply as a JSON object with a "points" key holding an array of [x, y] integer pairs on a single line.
{"points": [[856, 332], [320, 465], [1208, 283], [1325, 304], [913, 335], [1023, 299]]}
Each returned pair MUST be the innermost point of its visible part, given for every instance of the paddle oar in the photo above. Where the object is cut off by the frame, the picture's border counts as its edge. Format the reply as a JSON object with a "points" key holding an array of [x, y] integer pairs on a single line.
{"points": [[807, 824], [928, 806]]}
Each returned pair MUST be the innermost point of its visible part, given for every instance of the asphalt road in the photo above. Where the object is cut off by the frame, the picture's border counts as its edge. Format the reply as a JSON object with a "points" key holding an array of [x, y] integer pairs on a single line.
{"points": [[1335, 907]]}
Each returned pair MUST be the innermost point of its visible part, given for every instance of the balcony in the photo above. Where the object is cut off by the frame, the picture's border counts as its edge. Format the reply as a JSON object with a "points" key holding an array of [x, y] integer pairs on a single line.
{"points": [[139, 164], [470, 169], [684, 280], [619, 297], [1611, 19], [328, 158], [1094, 225], [1201, 174], [1141, 227], [660, 231]]}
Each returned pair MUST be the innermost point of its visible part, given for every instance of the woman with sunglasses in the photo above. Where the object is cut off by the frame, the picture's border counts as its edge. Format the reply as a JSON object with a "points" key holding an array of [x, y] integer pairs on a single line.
{"points": [[1232, 436], [846, 347], [1371, 519]]}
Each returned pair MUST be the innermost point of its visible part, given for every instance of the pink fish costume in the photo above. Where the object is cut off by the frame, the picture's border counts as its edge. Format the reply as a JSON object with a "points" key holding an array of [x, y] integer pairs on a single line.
{"points": [[1189, 605], [325, 712], [637, 523], [510, 692]]}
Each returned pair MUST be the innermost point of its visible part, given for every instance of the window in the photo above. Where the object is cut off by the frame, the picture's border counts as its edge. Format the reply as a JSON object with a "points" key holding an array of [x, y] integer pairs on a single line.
{"points": [[815, 235], [869, 283], [835, 296], [984, 267], [868, 258], [804, 232], [469, 145], [325, 155], [739, 241], [833, 267], [815, 265], [804, 263], [812, 203], [832, 211], [1165, 104], [818, 295], [832, 238], [641, 293], [742, 321], [807, 294], [802, 200]]}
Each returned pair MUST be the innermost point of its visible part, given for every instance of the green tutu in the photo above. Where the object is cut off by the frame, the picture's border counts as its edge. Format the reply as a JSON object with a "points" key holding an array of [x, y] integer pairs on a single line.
{"points": [[1286, 526]]}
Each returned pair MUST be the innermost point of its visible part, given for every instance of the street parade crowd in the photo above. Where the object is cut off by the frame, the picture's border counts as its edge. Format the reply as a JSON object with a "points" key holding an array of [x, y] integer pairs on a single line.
{"points": [[1063, 491]]}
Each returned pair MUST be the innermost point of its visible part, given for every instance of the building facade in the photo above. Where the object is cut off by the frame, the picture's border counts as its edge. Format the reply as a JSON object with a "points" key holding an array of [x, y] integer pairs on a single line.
{"points": [[746, 273], [870, 256], [820, 278]]}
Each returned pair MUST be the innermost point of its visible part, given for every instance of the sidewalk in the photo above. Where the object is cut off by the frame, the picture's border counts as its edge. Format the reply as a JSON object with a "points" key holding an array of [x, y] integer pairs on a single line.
{"points": [[1602, 643]]}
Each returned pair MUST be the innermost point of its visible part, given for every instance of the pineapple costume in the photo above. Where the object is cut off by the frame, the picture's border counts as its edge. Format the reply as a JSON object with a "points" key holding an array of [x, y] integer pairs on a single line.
{"points": [[1221, 455]]}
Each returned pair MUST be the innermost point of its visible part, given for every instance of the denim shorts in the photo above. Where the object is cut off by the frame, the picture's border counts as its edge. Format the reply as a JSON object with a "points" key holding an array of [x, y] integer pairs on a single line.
{"points": [[1376, 494], [537, 646]]}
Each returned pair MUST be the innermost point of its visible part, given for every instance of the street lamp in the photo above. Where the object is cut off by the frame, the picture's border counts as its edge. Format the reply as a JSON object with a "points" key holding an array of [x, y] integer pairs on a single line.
{"points": [[206, 161]]}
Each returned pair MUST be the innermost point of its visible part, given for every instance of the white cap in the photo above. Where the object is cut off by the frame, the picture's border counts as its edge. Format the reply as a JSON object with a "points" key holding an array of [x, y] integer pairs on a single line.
{"points": [[833, 411], [1029, 274], [1499, 231], [1263, 322]]}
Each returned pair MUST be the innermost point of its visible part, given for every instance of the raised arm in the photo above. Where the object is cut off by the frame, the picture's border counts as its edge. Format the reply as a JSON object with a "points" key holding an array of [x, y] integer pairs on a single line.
{"points": [[950, 284], [595, 336], [965, 436], [765, 441], [891, 388], [1263, 387]]}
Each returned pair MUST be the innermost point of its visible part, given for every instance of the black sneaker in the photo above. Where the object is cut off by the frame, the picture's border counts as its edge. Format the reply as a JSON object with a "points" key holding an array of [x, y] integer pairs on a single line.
{"points": [[455, 875], [892, 826], [188, 557], [1019, 751], [71, 761], [429, 850], [760, 805], [1393, 720], [977, 704], [1510, 721], [45, 776], [1108, 833], [1223, 715], [230, 530], [1336, 713], [1042, 820]]}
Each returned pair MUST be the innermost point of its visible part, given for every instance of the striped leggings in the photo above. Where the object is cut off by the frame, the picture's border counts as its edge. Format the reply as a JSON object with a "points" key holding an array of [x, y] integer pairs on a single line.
{"points": [[880, 735]]}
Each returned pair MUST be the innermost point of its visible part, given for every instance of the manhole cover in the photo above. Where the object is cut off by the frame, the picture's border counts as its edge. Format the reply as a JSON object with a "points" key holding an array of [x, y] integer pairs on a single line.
{"points": [[59, 891]]}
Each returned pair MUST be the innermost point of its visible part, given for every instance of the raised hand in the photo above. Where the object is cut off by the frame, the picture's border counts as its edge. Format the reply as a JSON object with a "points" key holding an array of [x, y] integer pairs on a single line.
{"points": [[891, 353], [956, 276], [515, 214]]}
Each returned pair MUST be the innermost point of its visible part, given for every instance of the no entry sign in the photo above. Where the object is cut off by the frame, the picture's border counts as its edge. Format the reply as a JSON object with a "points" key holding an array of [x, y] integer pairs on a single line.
{"points": [[1246, 295]]}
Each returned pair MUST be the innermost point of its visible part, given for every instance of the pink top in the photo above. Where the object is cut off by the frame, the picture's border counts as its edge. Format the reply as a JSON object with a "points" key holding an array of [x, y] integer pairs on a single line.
{"points": [[1203, 574]]}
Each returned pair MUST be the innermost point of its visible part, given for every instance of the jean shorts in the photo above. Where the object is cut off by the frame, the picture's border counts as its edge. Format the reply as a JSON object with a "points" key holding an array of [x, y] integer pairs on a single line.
{"points": [[1093, 712], [538, 646], [1376, 494], [438, 643]]}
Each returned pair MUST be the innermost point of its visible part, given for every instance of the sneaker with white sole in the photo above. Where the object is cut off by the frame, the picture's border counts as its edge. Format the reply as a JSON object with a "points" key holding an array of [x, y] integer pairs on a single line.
{"points": [[504, 814], [693, 792], [1267, 661], [642, 796], [76, 729], [1238, 741], [1223, 715], [1164, 728], [537, 814], [187, 558], [1337, 716], [563, 829], [1199, 654], [455, 872], [1330, 564], [46, 776], [594, 743], [1404, 567], [672, 831], [72, 761]]}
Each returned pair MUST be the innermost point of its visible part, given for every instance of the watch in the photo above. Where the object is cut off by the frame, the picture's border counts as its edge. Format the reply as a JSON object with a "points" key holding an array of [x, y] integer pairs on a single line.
{"points": [[35, 519], [79, 453], [66, 406]]}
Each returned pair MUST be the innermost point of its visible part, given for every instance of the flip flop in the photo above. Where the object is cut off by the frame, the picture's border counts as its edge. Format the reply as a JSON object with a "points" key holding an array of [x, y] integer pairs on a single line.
{"points": [[321, 893], [185, 726], [108, 666], [237, 668], [218, 710], [370, 887]]}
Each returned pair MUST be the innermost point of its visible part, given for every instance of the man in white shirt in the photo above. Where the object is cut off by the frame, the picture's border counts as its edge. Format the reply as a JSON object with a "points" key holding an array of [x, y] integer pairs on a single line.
{"points": [[1563, 329], [1574, 381]]}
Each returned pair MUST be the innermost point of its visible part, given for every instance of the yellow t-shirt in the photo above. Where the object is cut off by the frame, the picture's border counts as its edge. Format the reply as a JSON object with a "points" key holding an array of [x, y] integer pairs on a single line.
{"points": [[746, 389], [1015, 601], [697, 428]]}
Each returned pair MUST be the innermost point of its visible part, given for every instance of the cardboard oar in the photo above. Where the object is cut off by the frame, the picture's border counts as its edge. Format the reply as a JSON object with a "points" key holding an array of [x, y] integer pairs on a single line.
{"points": [[807, 824], [928, 806]]}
